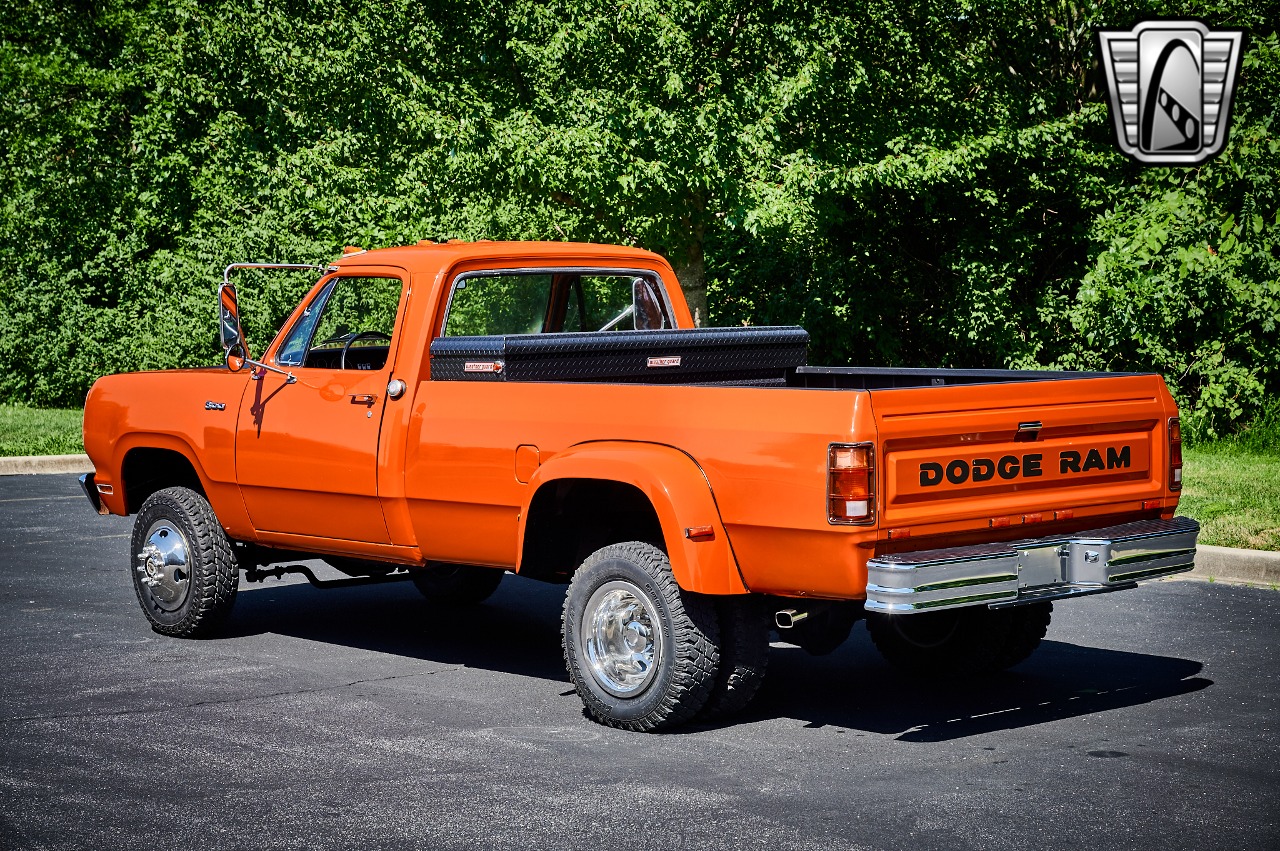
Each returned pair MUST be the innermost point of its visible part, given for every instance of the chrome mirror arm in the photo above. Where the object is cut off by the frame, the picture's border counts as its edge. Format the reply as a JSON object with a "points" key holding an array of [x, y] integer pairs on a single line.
{"points": [[237, 359], [290, 378]]}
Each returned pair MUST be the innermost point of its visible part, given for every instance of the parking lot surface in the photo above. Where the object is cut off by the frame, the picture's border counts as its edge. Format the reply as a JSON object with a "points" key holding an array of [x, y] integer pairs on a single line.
{"points": [[365, 718]]}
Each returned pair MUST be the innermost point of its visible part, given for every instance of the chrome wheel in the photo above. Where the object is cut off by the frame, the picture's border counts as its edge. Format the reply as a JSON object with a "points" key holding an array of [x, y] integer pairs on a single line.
{"points": [[643, 654], [621, 638], [163, 566]]}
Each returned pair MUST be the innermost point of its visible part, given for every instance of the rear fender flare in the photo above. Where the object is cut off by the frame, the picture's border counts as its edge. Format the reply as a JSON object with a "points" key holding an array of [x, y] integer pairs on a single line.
{"points": [[681, 497]]}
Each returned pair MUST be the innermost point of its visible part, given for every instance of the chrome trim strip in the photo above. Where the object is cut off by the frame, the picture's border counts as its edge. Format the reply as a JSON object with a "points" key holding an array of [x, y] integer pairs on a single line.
{"points": [[1134, 559], [1153, 573], [966, 583]]}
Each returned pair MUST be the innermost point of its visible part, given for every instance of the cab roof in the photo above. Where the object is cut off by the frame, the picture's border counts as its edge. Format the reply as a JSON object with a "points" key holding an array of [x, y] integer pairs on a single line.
{"points": [[429, 253]]}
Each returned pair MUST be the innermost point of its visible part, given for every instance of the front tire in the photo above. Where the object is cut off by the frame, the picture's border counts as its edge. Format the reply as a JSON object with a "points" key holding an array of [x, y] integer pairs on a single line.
{"points": [[960, 642], [642, 654], [184, 571]]}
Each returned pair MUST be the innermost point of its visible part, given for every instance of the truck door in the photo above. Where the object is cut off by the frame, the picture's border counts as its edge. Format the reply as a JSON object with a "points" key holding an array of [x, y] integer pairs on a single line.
{"points": [[307, 452]]}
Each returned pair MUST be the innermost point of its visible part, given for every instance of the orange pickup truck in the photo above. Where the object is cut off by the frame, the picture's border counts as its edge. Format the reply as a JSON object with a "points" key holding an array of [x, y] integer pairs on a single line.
{"points": [[446, 413]]}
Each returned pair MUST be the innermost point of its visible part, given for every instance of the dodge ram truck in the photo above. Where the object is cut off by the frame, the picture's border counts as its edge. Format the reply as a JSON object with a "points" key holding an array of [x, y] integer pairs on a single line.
{"points": [[447, 413]]}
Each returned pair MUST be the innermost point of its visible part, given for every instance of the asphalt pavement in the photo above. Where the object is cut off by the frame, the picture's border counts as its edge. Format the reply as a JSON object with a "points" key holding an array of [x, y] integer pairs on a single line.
{"points": [[364, 718]]}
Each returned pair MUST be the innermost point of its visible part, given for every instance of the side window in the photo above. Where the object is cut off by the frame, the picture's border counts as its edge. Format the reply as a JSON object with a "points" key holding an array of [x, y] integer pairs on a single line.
{"points": [[348, 326], [498, 304]]}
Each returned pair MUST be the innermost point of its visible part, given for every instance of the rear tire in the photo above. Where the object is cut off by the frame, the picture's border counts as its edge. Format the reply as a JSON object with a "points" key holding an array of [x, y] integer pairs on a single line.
{"points": [[457, 584], [184, 570], [744, 656], [960, 642], [642, 654]]}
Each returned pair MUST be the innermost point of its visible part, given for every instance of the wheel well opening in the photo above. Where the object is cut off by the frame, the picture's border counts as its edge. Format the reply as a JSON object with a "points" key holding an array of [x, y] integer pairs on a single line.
{"points": [[147, 470], [571, 518]]}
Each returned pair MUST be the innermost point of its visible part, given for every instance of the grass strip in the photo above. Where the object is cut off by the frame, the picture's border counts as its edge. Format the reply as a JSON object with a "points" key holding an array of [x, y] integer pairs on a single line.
{"points": [[39, 431], [1234, 494]]}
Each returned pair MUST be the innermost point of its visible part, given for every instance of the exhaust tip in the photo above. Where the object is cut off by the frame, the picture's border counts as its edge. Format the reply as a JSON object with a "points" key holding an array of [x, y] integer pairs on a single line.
{"points": [[787, 618]]}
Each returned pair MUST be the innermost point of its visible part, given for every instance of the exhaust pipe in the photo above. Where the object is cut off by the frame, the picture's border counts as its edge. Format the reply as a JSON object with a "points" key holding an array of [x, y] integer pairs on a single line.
{"points": [[787, 618]]}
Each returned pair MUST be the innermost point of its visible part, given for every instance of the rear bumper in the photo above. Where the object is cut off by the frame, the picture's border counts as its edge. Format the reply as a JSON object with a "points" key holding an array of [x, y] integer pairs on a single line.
{"points": [[1021, 572]]}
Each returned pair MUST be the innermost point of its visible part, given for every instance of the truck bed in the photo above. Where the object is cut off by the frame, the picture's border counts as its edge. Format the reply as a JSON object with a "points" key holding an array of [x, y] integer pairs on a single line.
{"points": [[758, 421]]}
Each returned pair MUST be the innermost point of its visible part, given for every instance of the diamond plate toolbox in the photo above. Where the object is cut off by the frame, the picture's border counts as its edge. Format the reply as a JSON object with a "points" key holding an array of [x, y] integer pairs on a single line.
{"points": [[691, 356]]}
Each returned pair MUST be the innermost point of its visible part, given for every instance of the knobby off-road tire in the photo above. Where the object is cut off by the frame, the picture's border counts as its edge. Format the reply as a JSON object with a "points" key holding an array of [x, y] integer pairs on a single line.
{"points": [[960, 642], [744, 656], [184, 570], [456, 584], [642, 654]]}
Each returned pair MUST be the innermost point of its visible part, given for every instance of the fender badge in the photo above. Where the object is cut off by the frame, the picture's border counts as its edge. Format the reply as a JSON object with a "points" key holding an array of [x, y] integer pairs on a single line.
{"points": [[215, 406], [667, 361]]}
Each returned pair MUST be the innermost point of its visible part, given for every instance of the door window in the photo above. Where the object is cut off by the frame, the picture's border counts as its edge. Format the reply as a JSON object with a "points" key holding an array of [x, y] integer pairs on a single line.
{"points": [[348, 325]]}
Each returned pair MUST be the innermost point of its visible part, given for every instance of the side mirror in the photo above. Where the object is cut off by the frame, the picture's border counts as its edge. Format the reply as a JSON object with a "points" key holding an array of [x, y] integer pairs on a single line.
{"points": [[236, 358], [229, 329], [647, 315]]}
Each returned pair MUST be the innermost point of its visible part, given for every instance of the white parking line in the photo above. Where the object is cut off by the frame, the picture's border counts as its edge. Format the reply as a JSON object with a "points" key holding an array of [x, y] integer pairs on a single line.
{"points": [[39, 498]]}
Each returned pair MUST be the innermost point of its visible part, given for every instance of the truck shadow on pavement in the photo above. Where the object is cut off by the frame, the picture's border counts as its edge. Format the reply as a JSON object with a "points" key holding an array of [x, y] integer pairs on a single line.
{"points": [[854, 688], [517, 631]]}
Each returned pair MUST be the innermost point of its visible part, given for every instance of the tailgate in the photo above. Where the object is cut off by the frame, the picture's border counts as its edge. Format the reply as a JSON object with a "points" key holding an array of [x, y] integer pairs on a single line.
{"points": [[958, 458]]}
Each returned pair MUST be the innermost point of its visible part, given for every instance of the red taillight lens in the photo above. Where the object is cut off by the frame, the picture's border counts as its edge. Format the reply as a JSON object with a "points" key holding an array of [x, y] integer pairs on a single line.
{"points": [[850, 491], [1175, 455]]}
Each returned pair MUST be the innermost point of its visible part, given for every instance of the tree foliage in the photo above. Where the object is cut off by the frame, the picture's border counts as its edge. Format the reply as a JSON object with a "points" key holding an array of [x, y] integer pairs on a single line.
{"points": [[917, 183]]}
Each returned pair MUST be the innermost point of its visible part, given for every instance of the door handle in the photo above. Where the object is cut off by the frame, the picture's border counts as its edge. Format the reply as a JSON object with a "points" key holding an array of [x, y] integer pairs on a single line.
{"points": [[363, 399]]}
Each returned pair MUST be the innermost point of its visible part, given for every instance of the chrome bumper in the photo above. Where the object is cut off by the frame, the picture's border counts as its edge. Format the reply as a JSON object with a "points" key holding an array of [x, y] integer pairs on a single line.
{"points": [[1021, 572], [91, 492]]}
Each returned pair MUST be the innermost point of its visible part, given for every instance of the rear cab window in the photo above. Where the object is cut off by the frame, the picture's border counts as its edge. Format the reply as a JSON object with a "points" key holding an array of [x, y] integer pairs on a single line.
{"points": [[505, 302]]}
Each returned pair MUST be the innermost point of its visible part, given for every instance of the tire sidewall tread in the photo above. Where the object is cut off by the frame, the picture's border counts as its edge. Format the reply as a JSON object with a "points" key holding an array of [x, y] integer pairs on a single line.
{"points": [[214, 570], [690, 635], [744, 656]]}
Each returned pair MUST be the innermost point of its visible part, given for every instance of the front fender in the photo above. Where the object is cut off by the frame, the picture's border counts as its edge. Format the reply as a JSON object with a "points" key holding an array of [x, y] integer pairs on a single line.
{"points": [[224, 497], [681, 497]]}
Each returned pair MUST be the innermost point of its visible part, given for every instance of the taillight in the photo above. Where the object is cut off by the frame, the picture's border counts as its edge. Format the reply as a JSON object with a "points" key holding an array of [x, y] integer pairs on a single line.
{"points": [[1175, 455], [850, 490]]}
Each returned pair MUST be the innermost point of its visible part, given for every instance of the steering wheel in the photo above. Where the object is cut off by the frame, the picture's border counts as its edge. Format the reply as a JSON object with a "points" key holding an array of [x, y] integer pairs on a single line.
{"points": [[356, 336]]}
